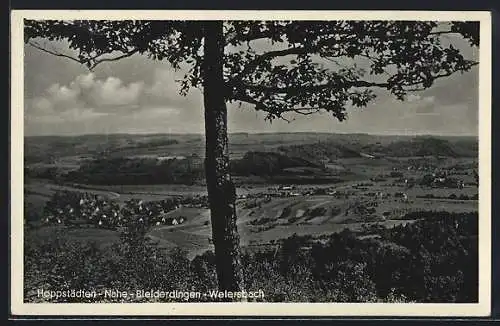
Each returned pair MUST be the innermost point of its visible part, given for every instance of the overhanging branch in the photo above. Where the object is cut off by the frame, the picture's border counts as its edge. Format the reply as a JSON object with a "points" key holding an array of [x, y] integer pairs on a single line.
{"points": [[125, 55], [248, 37], [339, 84], [310, 88], [268, 56], [443, 32], [260, 106], [57, 54], [311, 49], [91, 62]]}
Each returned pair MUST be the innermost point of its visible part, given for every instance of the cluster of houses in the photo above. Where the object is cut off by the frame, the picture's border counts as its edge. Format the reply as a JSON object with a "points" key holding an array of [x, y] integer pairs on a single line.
{"points": [[421, 167], [445, 178], [289, 191], [442, 180], [378, 194], [81, 208], [292, 191], [402, 196]]}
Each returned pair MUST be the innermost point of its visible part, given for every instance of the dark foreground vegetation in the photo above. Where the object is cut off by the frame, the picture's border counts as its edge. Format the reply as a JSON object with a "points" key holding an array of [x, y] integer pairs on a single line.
{"points": [[434, 259]]}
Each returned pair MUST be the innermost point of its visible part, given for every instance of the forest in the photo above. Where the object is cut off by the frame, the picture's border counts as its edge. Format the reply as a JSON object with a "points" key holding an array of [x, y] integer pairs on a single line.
{"points": [[434, 259]]}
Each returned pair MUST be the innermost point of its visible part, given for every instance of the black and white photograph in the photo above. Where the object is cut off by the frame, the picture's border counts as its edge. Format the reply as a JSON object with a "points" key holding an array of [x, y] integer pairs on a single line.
{"points": [[182, 158]]}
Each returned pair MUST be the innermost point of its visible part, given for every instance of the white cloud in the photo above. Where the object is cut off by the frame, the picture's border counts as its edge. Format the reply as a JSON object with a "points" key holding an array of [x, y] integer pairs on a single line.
{"points": [[57, 93], [112, 92], [84, 92], [84, 81]]}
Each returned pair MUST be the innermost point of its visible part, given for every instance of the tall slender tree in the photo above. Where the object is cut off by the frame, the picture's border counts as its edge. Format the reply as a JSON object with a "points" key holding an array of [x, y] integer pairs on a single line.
{"points": [[280, 67]]}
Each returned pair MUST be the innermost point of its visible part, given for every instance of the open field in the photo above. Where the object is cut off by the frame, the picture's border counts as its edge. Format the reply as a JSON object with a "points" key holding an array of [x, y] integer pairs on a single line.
{"points": [[262, 221]]}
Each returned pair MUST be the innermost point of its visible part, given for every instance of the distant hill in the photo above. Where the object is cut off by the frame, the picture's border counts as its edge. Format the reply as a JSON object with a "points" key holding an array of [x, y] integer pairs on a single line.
{"points": [[428, 146], [137, 171], [406, 147], [421, 147], [319, 151], [268, 164]]}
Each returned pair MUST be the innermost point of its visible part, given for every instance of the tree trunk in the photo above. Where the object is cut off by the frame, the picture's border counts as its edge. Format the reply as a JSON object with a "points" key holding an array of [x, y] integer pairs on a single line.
{"points": [[221, 189]]}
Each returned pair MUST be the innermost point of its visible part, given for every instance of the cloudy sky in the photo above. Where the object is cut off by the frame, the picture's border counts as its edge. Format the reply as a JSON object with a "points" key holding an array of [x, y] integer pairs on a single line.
{"points": [[138, 95]]}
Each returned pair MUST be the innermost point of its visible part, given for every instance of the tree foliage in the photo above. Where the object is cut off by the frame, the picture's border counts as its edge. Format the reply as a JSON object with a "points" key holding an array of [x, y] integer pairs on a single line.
{"points": [[281, 66]]}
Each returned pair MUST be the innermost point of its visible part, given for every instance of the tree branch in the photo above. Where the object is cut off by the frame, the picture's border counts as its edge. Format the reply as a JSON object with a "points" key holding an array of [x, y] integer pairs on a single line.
{"points": [[91, 62], [305, 110], [434, 77], [311, 88], [57, 54], [443, 32], [250, 66], [251, 36], [125, 55], [344, 84], [270, 55], [260, 106]]}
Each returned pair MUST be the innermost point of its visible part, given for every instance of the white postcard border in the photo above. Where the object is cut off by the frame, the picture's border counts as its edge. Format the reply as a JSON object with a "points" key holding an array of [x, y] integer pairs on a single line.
{"points": [[248, 309]]}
